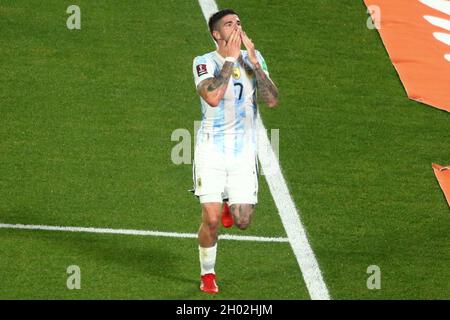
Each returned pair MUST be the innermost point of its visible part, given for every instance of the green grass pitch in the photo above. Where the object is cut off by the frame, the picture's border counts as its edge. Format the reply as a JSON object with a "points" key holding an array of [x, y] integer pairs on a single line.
{"points": [[86, 118]]}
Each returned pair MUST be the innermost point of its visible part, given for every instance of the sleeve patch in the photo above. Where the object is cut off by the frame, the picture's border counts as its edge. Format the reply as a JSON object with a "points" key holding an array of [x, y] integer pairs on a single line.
{"points": [[201, 69]]}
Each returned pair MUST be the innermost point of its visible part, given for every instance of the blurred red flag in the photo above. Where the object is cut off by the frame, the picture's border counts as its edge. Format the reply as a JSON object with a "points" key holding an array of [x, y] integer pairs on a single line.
{"points": [[443, 176]]}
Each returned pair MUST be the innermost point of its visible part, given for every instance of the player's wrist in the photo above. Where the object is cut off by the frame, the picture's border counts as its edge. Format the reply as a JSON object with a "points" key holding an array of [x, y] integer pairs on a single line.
{"points": [[230, 59]]}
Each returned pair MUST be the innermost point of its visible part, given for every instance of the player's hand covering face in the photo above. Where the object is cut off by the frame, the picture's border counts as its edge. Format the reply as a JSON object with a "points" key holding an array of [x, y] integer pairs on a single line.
{"points": [[233, 45], [248, 43]]}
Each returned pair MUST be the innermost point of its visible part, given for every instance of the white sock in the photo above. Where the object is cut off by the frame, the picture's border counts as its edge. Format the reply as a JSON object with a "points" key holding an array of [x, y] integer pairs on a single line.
{"points": [[207, 259]]}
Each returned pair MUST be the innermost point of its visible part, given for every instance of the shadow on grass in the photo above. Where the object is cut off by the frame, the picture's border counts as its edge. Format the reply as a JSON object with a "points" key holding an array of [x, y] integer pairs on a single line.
{"points": [[164, 265]]}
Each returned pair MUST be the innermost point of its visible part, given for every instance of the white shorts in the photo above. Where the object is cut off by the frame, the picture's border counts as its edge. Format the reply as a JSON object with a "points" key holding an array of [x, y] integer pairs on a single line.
{"points": [[218, 176]]}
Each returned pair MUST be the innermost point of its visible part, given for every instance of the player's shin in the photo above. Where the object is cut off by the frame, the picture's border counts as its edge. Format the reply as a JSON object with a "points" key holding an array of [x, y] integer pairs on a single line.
{"points": [[207, 259]]}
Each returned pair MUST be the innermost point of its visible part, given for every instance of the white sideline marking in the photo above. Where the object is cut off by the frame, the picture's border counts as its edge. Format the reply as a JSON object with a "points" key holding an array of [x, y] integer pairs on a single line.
{"points": [[208, 8], [294, 228], [137, 232]]}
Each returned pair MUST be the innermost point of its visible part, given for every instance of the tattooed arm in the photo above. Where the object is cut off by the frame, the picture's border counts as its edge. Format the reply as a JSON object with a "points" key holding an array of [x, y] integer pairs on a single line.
{"points": [[266, 88], [212, 90]]}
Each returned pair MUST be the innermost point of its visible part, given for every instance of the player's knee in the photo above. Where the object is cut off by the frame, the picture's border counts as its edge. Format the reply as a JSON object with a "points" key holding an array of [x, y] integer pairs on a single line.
{"points": [[211, 216], [243, 214], [243, 223], [213, 224]]}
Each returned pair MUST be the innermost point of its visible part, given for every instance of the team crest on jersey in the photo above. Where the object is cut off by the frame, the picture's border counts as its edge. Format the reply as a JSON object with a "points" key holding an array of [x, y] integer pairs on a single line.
{"points": [[201, 69], [236, 73]]}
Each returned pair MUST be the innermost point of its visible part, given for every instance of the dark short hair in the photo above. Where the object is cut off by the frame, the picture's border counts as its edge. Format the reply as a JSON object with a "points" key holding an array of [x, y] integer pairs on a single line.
{"points": [[215, 18]]}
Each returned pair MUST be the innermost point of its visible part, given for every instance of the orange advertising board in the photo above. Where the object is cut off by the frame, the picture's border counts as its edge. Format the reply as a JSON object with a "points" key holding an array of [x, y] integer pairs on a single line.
{"points": [[416, 34], [443, 177]]}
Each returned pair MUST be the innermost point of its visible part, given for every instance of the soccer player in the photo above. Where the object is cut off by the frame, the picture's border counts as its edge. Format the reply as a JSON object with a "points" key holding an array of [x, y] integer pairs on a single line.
{"points": [[225, 163]]}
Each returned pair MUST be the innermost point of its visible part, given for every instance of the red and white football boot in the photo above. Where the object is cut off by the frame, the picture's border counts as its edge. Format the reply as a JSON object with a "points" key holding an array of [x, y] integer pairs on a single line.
{"points": [[208, 283]]}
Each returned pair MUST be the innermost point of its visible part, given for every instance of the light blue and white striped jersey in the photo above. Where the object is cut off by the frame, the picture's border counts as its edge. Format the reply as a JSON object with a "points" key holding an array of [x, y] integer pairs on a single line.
{"points": [[231, 126]]}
